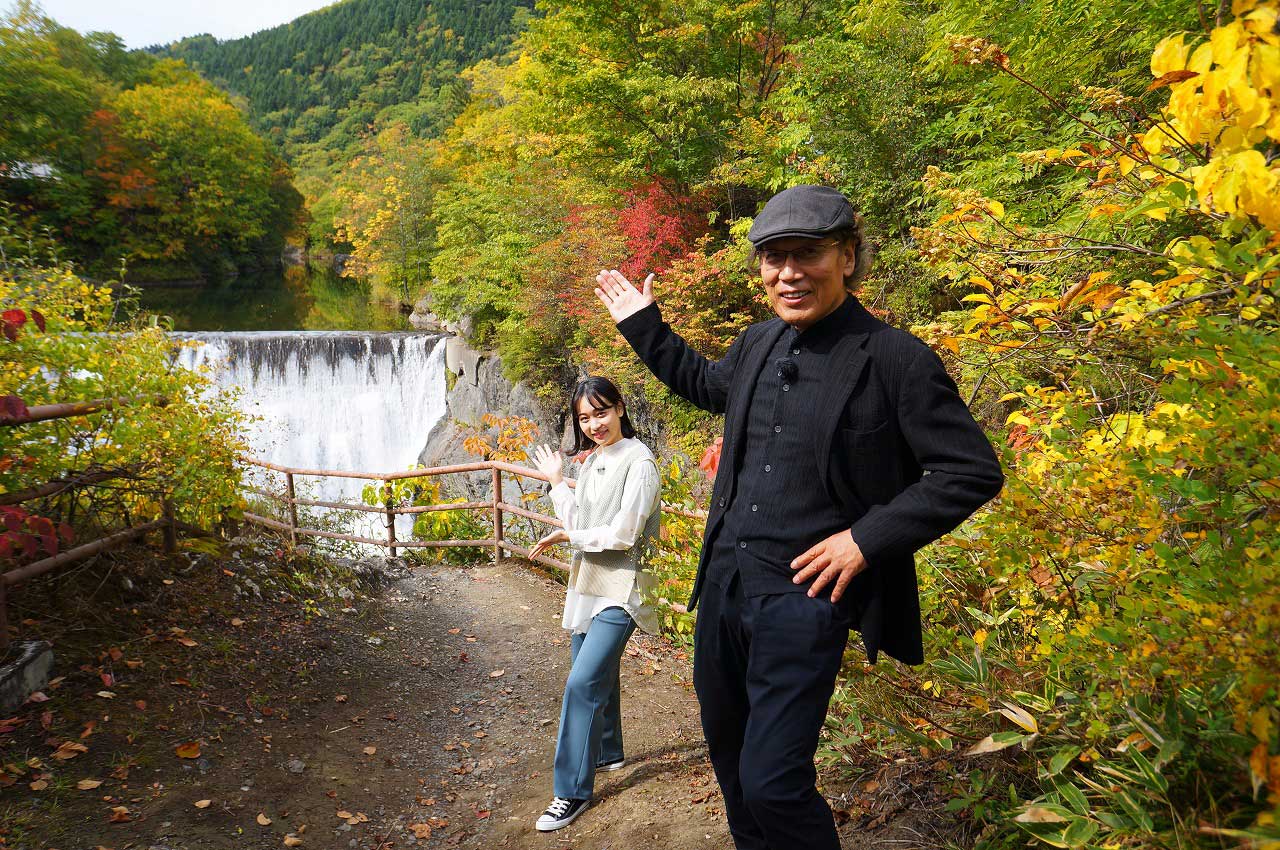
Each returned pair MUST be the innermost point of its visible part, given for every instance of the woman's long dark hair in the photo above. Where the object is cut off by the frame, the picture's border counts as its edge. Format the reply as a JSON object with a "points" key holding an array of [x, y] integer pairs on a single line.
{"points": [[600, 393]]}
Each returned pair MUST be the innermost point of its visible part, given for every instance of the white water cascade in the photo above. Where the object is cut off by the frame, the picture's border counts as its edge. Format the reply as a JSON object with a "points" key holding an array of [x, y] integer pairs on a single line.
{"points": [[349, 401]]}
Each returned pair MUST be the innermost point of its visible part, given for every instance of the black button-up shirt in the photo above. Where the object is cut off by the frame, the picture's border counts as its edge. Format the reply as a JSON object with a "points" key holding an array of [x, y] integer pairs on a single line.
{"points": [[780, 507]]}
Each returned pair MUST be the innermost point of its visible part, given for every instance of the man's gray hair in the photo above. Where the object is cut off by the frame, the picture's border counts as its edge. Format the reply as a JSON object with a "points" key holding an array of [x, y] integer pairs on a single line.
{"points": [[863, 253]]}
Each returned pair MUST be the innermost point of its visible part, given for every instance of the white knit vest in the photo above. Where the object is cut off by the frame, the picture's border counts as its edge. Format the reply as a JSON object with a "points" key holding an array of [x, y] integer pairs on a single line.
{"points": [[614, 573]]}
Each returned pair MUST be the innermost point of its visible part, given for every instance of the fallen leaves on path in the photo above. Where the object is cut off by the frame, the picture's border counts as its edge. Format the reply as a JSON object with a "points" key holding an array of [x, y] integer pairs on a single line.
{"points": [[88, 784], [69, 750], [263, 820], [203, 804], [180, 635], [189, 750]]}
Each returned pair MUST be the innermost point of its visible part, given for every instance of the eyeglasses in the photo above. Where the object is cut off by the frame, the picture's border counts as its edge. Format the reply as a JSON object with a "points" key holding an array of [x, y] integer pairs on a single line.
{"points": [[805, 255]]}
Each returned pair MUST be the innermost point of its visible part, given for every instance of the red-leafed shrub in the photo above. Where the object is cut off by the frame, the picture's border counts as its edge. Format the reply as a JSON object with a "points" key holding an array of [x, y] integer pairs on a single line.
{"points": [[24, 535], [659, 226]]}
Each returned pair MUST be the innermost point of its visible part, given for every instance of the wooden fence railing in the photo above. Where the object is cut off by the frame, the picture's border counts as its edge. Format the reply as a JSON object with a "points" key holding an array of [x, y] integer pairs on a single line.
{"points": [[496, 505], [166, 524]]}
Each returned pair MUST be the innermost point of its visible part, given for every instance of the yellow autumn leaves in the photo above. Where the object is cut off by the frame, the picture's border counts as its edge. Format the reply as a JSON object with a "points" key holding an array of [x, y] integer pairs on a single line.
{"points": [[1225, 98]]}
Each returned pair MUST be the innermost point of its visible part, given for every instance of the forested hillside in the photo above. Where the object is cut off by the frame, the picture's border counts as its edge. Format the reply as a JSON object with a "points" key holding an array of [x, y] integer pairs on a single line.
{"points": [[316, 85]]}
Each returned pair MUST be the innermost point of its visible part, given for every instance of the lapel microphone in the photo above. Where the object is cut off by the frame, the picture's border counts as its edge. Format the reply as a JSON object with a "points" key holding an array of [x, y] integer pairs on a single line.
{"points": [[787, 368]]}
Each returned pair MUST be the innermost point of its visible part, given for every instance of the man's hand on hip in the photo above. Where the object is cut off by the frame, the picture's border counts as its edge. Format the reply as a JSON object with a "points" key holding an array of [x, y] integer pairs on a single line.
{"points": [[620, 296], [836, 559]]}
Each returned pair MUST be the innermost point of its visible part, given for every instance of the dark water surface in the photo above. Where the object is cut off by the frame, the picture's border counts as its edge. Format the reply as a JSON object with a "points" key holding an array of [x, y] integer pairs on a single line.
{"points": [[293, 298]]}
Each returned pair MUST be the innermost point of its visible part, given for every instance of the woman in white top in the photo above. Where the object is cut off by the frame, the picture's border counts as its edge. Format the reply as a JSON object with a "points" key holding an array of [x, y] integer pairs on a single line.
{"points": [[609, 524]]}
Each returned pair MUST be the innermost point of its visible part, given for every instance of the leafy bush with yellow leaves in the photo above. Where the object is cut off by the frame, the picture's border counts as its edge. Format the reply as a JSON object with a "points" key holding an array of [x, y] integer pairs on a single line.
{"points": [[176, 436], [1111, 623]]}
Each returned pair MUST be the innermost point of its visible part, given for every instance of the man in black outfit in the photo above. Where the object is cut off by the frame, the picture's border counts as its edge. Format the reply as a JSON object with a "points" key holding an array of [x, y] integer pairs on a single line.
{"points": [[846, 449]]}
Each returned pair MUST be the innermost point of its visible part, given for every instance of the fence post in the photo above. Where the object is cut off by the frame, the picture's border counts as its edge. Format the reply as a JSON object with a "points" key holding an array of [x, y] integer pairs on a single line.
{"points": [[497, 516], [391, 517], [169, 531], [4, 618], [293, 510]]}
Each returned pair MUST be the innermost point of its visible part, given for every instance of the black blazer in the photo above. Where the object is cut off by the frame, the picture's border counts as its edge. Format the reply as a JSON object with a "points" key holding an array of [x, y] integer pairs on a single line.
{"points": [[898, 448]]}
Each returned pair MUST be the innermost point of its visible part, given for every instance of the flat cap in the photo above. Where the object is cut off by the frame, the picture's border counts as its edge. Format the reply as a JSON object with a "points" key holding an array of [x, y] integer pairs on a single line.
{"points": [[809, 211]]}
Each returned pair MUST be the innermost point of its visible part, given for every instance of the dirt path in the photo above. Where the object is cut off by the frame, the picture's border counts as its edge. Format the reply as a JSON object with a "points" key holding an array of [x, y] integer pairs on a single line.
{"points": [[478, 712], [227, 707], [427, 714]]}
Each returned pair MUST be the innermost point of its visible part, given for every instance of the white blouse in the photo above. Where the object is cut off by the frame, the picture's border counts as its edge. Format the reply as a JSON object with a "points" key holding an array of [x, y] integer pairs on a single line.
{"points": [[639, 499]]}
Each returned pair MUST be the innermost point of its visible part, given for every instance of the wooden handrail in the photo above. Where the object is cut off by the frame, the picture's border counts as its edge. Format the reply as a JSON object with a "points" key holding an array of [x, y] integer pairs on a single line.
{"points": [[167, 524], [496, 504], [21, 574], [42, 412], [61, 485], [355, 538], [369, 509], [69, 556], [528, 514], [425, 472], [478, 466]]}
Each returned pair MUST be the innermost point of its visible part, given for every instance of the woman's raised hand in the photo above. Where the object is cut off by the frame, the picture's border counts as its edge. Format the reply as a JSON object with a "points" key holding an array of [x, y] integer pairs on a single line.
{"points": [[549, 463], [620, 296]]}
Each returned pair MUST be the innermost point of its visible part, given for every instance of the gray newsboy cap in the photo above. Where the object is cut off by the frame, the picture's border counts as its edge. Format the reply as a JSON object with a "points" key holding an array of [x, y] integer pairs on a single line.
{"points": [[810, 211]]}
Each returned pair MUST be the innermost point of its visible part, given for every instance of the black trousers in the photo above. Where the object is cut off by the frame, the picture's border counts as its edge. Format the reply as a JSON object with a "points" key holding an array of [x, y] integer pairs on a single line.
{"points": [[764, 669]]}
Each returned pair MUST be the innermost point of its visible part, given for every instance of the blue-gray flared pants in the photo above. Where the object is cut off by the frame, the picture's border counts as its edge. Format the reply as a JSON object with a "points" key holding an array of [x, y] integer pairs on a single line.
{"points": [[591, 715]]}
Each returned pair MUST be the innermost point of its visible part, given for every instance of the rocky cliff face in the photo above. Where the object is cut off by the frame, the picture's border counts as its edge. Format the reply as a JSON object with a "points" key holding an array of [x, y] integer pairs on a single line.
{"points": [[479, 387]]}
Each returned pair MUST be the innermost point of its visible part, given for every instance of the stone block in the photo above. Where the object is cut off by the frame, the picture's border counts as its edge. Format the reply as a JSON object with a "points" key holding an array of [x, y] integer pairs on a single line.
{"points": [[462, 360], [25, 672]]}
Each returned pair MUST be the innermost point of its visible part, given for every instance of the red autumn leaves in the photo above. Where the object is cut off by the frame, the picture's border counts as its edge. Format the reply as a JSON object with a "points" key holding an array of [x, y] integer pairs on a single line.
{"points": [[24, 535], [12, 321]]}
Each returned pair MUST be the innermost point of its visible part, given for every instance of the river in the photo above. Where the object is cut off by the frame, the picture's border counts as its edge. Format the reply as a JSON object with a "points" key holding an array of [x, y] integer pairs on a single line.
{"points": [[310, 298]]}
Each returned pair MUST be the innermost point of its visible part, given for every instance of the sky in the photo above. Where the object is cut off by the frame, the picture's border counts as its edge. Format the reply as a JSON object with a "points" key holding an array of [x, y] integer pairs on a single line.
{"points": [[145, 22]]}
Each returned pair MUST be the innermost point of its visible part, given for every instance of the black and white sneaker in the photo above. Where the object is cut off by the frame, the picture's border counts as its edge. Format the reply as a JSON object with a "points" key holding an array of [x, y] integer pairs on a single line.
{"points": [[561, 813], [611, 765]]}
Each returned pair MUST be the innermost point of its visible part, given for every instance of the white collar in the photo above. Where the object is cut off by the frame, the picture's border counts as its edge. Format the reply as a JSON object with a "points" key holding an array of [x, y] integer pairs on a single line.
{"points": [[613, 450]]}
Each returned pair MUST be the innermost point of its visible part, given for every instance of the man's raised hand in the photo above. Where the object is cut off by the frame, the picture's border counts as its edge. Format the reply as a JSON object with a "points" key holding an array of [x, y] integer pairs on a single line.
{"points": [[620, 296]]}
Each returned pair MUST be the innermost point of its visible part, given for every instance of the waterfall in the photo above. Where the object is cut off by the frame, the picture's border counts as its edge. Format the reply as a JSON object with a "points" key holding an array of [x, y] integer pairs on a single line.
{"points": [[349, 401]]}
